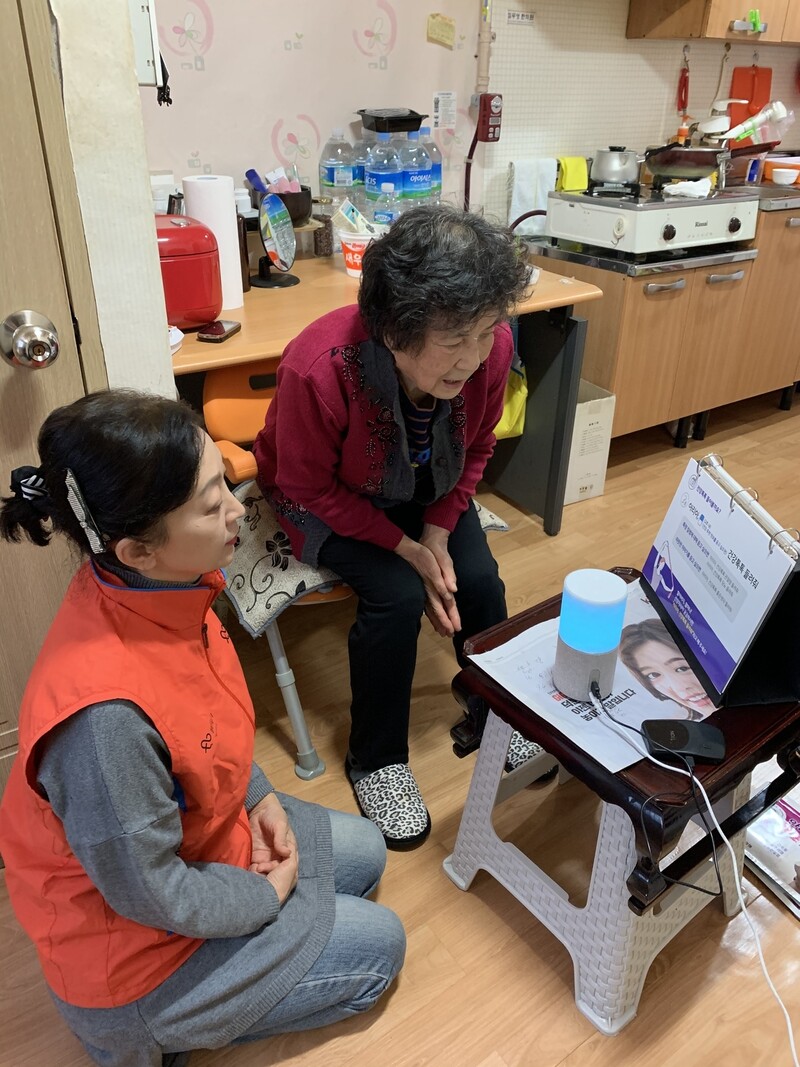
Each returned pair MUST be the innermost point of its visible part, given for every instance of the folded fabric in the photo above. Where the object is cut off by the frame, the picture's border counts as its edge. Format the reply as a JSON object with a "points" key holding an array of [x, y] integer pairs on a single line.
{"points": [[264, 577], [573, 174], [699, 189], [529, 182]]}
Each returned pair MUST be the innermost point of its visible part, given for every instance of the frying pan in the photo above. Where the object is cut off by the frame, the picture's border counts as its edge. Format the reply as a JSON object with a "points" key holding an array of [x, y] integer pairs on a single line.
{"points": [[677, 161]]}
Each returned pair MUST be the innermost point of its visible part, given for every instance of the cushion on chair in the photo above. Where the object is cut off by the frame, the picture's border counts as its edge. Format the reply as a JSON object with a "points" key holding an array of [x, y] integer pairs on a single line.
{"points": [[264, 577]]}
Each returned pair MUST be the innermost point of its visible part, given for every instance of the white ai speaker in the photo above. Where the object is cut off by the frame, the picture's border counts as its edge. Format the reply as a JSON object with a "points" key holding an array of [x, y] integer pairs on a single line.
{"points": [[589, 631]]}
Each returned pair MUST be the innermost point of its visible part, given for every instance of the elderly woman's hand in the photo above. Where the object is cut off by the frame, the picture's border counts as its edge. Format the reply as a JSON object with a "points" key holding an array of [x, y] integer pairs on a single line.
{"points": [[431, 560]]}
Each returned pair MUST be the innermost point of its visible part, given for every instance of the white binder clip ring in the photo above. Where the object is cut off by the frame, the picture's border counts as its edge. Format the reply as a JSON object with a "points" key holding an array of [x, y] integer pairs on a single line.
{"points": [[753, 493], [786, 530], [711, 460]]}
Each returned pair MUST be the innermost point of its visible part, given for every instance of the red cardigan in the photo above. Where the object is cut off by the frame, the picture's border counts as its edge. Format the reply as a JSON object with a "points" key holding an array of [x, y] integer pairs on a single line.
{"points": [[333, 452]]}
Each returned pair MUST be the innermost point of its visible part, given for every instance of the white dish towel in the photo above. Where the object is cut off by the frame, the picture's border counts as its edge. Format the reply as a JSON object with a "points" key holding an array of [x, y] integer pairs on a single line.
{"points": [[529, 182]]}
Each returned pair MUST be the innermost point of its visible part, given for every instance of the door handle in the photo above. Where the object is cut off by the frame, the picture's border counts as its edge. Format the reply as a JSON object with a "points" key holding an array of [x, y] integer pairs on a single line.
{"points": [[28, 339], [715, 279], [664, 287], [793, 223]]}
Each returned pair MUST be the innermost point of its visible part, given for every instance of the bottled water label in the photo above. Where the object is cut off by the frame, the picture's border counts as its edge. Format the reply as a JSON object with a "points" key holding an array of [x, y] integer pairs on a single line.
{"points": [[385, 216], [436, 177], [335, 176], [416, 184], [373, 180]]}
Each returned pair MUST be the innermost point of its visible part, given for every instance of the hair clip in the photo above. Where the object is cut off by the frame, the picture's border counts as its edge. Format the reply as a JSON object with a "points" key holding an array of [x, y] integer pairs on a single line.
{"points": [[83, 515], [29, 483]]}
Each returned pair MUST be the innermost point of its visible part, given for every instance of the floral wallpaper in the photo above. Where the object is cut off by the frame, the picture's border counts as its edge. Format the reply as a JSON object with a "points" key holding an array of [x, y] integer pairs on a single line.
{"points": [[256, 84]]}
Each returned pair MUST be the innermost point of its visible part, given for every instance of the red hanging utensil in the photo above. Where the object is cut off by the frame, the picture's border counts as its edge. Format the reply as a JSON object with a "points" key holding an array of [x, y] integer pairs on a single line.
{"points": [[682, 99]]}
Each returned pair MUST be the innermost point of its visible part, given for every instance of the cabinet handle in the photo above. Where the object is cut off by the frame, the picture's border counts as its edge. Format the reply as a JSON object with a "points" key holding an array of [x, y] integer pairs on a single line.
{"points": [[715, 279], [792, 223], [664, 287]]}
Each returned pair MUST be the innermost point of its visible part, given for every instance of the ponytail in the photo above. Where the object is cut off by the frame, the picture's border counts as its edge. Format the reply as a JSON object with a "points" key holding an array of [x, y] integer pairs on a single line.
{"points": [[28, 510]]}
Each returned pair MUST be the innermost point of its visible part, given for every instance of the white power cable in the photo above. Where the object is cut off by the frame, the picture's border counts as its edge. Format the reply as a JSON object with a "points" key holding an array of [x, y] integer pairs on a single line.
{"points": [[620, 731]]}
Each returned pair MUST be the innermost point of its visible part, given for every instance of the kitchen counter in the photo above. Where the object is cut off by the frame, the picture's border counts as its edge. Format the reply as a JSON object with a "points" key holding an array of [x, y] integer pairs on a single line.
{"points": [[774, 197], [270, 318], [607, 260]]}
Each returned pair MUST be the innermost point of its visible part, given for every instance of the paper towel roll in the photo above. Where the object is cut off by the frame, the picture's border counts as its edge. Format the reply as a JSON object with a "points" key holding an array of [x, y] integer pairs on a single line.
{"points": [[209, 199]]}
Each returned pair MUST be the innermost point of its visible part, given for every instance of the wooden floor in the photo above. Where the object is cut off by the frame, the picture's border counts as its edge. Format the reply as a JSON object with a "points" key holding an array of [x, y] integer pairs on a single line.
{"points": [[485, 985]]}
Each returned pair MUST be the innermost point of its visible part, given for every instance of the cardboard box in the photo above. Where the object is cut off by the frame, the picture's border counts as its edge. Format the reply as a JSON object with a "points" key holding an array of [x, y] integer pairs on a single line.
{"points": [[591, 439]]}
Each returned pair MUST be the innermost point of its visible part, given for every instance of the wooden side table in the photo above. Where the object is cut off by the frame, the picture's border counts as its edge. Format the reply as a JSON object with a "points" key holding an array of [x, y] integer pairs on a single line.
{"points": [[615, 937]]}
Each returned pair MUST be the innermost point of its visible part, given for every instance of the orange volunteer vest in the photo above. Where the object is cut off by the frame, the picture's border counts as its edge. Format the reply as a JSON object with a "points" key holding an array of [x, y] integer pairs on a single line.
{"points": [[166, 651]]}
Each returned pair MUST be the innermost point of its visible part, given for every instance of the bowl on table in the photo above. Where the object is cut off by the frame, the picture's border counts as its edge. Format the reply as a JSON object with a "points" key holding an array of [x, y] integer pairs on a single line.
{"points": [[784, 175]]}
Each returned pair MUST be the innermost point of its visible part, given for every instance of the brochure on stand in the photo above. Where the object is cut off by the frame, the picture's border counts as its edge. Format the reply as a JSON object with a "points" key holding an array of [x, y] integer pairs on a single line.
{"points": [[716, 569]]}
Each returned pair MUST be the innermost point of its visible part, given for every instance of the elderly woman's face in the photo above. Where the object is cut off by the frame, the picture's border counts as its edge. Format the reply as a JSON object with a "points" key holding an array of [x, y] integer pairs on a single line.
{"points": [[669, 674], [446, 360]]}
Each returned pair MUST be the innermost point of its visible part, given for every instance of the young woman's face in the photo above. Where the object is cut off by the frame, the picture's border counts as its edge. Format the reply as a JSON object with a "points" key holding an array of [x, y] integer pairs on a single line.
{"points": [[669, 674], [202, 533], [446, 360]]}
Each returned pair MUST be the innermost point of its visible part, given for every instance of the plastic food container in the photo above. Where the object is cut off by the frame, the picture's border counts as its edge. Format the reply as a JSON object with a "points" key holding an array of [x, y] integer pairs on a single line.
{"points": [[353, 248], [390, 119]]}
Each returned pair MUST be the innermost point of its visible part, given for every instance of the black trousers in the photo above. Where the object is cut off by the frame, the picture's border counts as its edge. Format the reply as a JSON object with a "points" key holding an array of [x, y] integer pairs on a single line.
{"points": [[383, 639]]}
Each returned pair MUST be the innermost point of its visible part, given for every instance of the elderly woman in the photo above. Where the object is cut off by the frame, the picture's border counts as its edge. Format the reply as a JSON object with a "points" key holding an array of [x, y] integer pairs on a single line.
{"points": [[379, 432]]}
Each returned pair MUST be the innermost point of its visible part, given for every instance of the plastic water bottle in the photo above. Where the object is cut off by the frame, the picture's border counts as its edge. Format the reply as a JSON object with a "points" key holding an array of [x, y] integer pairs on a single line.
{"points": [[336, 169], [388, 206], [360, 156], [432, 149], [383, 165], [416, 164]]}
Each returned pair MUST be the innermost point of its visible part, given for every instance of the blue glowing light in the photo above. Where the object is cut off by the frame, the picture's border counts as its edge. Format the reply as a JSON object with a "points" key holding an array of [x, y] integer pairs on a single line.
{"points": [[592, 611]]}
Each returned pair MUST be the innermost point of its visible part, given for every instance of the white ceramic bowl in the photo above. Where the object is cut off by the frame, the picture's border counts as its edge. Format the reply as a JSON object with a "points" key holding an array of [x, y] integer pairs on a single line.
{"points": [[784, 175]]}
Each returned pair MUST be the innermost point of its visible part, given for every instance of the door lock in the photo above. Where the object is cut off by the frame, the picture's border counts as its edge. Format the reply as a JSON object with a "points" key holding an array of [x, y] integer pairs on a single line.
{"points": [[28, 339]]}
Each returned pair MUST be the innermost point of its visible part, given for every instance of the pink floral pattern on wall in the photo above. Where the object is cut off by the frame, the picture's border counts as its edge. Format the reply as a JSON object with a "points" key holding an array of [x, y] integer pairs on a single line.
{"points": [[190, 36], [299, 145], [378, 40]]}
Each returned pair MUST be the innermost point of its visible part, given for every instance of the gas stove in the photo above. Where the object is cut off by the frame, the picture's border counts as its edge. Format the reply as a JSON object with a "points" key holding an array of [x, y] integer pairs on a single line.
{"points": [[650, 222]]}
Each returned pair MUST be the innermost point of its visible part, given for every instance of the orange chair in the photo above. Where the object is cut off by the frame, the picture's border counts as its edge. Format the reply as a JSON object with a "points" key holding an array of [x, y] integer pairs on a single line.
{"points": [[235, 401]]}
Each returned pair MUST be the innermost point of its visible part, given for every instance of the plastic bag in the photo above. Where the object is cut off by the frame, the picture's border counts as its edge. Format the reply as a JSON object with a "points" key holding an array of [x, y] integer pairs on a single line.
{"points": [[512, 421]]}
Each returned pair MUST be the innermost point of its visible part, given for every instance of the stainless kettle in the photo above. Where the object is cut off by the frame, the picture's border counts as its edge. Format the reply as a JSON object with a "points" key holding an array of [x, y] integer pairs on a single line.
{"points": [[615, 164]]}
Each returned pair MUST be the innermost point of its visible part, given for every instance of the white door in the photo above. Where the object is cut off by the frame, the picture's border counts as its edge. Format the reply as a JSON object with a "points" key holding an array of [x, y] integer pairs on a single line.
{"points": [[32, 277]]}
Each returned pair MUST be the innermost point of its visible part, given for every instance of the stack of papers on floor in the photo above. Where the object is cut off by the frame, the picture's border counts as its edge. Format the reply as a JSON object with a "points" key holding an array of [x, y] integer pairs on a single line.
{"points": [[772, 849]]}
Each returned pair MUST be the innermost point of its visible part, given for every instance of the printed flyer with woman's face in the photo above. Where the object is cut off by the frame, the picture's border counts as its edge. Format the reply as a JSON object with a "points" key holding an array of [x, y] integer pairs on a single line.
{"points": [[653, 680]]}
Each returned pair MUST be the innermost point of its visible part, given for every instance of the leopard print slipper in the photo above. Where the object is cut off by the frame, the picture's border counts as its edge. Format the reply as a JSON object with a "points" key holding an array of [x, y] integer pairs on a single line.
{"points": [[390, 798], [520, 750]]}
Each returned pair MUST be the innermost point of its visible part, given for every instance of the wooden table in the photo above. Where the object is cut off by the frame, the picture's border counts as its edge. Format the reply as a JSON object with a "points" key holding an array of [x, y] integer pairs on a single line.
{"points": [[531, 470], [614, 933], [753, 735]]}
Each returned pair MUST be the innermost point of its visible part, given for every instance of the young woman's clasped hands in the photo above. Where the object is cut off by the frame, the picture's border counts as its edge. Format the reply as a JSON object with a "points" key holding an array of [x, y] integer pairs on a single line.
{"points": [[274, 849]]}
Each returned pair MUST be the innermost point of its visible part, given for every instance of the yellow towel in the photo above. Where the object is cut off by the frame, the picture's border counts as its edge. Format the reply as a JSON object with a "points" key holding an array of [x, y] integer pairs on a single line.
{"points": [[573, 174]]}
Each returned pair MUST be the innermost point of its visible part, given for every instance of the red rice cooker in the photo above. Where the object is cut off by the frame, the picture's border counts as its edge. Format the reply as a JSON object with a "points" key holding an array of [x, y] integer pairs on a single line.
{"points": [[189, 270]]}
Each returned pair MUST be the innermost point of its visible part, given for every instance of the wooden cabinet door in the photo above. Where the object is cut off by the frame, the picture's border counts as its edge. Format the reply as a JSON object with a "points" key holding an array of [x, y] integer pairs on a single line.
{"points": [[666, 19], [710, 351], [31, 277], [769, 329], [723, 12], [791, 27], [650, 341]]}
